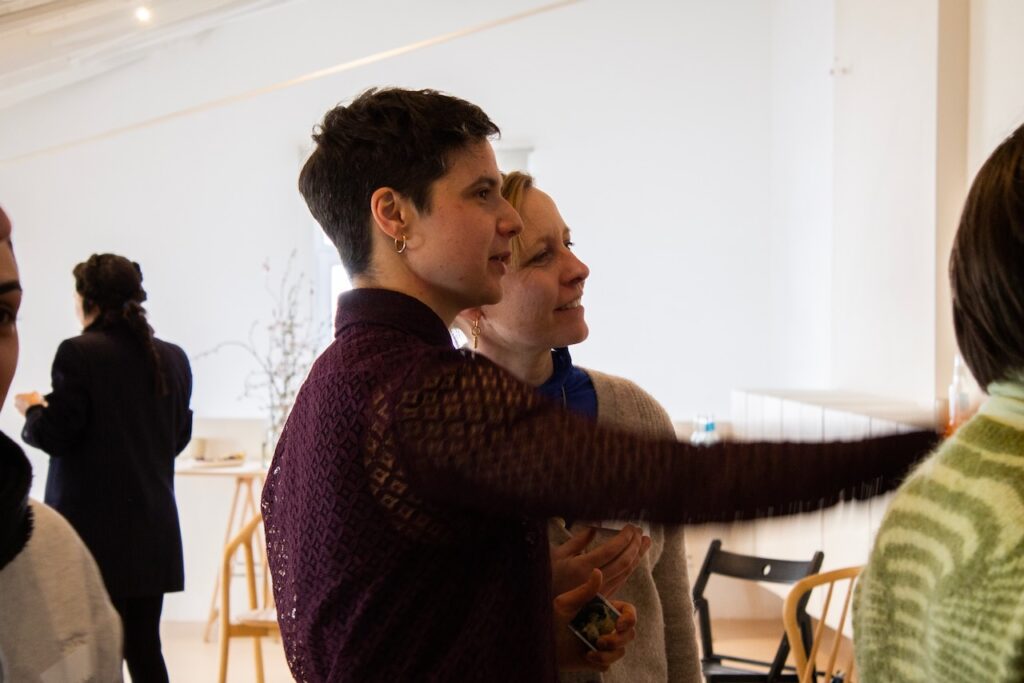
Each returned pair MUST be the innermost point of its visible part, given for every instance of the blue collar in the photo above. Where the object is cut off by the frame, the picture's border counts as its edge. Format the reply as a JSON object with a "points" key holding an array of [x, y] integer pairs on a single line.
{"points": [[570, 386]]}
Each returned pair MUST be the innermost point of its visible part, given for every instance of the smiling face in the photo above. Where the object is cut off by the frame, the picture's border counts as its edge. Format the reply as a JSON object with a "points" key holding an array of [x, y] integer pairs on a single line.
{"points": [[458, 251], [541, 307], [10, 302]]}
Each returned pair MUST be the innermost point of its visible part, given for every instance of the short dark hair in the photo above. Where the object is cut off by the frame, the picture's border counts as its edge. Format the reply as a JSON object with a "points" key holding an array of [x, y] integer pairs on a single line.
{"points": [[986, 268], [384, 138]]}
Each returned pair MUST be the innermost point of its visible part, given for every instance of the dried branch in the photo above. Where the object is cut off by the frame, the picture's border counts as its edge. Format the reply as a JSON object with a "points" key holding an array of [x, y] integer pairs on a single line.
{"points": [[285, 355]]}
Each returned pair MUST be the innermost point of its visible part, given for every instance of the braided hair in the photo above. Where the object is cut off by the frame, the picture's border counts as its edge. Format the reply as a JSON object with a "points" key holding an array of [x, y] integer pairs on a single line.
{"points": [[111, 288]]}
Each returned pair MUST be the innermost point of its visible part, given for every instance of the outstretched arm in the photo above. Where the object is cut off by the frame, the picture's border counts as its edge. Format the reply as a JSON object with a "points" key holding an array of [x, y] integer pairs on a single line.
{"points": [[471, 435]]}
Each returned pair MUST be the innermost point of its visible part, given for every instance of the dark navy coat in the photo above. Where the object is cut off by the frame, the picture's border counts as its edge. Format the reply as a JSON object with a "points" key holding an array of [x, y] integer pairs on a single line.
{"points": [[112, 442]]}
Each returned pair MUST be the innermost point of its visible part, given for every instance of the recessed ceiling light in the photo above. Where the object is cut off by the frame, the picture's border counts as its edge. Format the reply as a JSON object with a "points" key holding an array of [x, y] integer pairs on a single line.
{"points": [[143, 14]]}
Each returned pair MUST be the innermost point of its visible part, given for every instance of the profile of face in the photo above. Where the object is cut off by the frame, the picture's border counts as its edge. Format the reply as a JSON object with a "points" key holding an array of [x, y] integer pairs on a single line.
{"points": [[80, 310], [458, 251], [541, 307], [10, 302]]}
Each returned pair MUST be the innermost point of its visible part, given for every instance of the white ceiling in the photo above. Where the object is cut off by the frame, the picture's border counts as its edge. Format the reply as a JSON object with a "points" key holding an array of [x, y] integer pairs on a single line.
{"points": [[47, 44]]}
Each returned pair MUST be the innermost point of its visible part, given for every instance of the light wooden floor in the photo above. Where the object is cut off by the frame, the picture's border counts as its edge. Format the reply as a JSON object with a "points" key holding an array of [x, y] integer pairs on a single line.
{"points": [[189, 659]]}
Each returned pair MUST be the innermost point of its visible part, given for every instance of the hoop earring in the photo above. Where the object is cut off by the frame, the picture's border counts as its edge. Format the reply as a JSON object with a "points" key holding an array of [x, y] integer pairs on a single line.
{"points": [[476, 332], [400, 244]]}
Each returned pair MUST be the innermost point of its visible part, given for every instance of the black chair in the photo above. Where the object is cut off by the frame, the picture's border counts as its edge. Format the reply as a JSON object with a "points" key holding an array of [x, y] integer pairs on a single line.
{"points": [[749, 568]]}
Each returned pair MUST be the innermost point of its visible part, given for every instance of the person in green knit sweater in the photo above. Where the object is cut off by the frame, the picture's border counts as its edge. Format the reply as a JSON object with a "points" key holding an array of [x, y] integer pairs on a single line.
{"points": [[942, 597]]}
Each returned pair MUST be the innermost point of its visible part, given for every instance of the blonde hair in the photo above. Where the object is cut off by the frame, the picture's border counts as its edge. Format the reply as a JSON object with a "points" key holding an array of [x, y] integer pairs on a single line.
{"points": [[514, 186]]}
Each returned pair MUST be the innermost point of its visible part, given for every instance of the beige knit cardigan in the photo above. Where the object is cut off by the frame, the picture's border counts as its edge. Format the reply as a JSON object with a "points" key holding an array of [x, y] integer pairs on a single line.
{"points": [[665, 648]]}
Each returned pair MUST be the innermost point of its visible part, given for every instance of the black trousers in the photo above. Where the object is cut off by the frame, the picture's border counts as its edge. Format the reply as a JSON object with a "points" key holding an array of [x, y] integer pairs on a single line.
{"points": [[140, 618]]}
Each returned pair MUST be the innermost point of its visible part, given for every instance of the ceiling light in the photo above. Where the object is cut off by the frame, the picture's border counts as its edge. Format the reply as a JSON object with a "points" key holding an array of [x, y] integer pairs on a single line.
{"points": [[143, 15]]}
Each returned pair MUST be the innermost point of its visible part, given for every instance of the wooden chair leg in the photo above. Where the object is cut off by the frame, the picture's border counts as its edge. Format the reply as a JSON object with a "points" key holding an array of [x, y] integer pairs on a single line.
{"points": [[222, 677], [258, 650]]}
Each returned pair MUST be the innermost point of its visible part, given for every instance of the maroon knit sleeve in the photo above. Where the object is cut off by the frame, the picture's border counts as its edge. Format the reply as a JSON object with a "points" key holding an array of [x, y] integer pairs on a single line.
{"points": [[473, 436]]}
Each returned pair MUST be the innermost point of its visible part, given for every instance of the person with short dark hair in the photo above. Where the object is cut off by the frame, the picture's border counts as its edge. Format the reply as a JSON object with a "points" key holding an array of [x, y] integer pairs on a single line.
{"points": [[117, 417], [407, 500], [942, 597]]}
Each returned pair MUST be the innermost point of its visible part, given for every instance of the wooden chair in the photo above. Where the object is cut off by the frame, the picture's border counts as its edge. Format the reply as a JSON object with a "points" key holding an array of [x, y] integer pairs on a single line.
{"points": [[807, 659], [256, 623], [750, 568]]}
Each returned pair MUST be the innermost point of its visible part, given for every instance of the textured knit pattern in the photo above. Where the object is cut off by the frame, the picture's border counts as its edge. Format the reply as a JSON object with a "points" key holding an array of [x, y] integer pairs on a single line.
{"points": [[665, 648], [406, 501], [942, 598]]}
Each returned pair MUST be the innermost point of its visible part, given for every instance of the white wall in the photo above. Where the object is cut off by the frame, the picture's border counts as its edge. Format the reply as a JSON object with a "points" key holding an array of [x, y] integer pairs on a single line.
{"points": [[883, 297], [996, 74], [951, 180], [927, 89], [800, 180]]}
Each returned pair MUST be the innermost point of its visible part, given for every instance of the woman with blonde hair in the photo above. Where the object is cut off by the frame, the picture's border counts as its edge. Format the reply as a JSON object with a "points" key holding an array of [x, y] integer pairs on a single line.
{"points": [[528, 332]]}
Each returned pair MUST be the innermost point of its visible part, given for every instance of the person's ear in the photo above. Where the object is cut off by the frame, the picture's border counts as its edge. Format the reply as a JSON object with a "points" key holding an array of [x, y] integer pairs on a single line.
{"points": [[391, 212]]}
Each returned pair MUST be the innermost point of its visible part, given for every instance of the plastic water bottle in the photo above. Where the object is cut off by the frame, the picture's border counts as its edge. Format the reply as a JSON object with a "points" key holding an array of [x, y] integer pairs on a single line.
{"points": [[959, 398], [704, 433]]}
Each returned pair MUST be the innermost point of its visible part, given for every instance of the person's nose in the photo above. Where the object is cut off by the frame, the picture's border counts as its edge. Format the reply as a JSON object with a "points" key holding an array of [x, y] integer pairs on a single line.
{"points": [[510, 223], [578, 271]]}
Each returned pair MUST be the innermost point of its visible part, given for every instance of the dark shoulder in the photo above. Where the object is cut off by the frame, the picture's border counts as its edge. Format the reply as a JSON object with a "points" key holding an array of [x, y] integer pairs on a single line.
{"points": [[170, 349], [173, 357], [86, 344]]}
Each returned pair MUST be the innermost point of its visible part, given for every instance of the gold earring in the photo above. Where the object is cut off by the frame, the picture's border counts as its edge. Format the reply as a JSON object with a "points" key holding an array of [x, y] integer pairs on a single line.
{"points": [[400, 244], [476, 332]]}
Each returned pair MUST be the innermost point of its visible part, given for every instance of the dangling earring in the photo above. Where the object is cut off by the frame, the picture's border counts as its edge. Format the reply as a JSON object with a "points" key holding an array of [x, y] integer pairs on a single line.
{"points": [[476, 332], [400, 244]]}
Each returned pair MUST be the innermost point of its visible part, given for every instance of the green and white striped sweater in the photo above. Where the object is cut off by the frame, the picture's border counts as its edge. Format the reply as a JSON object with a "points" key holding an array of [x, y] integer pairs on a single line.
{"points": [[942, 597]]}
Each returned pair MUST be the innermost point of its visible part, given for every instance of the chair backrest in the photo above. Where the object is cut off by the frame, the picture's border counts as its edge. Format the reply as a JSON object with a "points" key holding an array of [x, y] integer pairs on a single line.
{"points": [[834, 611], [256, 623], [244, 539], [750, 568]]}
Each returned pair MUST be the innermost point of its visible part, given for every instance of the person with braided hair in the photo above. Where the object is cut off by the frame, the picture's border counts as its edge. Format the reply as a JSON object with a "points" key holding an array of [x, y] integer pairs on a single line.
{"points": [[116, 418]]}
